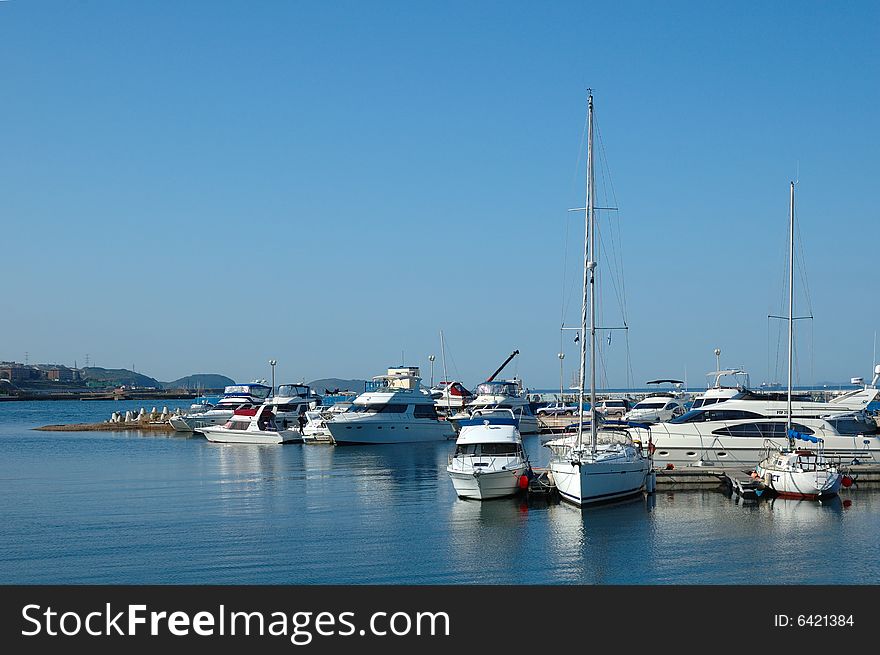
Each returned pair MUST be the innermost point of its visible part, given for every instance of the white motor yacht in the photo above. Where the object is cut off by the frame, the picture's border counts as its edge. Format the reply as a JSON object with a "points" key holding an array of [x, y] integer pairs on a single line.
{"points": [[501, 394], [660, 406], [722, 436], [393, 410], [234, 396], [290, 401], [489, 459], [251, 426], [729, 383]]}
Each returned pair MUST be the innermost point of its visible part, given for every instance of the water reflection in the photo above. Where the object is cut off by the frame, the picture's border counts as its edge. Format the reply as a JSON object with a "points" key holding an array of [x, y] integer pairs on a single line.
{"points": [[596, 545]]}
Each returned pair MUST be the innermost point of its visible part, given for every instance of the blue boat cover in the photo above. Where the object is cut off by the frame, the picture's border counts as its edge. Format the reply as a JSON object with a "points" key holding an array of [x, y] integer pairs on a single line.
{"points": [[794, 434]]}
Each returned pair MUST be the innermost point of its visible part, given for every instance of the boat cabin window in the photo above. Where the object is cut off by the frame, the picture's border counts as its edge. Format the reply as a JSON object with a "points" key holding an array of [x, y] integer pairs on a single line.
{"points": [[644, 405], [702, 402], [488, 449], [424, 411], [289, 407], [237, 425], [774, 430], [388, 408], [670, 406], [702, 415], [851, 425]]}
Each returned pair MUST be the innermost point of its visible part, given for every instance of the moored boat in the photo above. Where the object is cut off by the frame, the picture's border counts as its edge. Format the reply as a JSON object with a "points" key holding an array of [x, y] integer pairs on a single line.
{"points": [[250, 426], [489, 460]]}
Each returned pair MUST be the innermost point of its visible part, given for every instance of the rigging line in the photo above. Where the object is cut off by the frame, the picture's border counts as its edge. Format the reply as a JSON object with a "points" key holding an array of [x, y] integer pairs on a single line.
{"points": [[612, 277], [629, 371], [615, 203], [802, 268], [564, 272]]}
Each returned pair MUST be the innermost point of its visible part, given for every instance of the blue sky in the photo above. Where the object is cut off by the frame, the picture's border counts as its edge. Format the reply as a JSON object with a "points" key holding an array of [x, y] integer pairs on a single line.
{"points": [[200, 186]]}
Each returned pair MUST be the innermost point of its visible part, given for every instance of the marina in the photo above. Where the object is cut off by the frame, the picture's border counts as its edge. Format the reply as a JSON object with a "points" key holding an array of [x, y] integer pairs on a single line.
{"points": [[138, 507]]}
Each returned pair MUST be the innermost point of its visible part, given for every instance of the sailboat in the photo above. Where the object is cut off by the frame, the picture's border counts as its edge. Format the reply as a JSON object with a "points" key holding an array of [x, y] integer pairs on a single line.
{"points": [[611, 466], [790, 471]]}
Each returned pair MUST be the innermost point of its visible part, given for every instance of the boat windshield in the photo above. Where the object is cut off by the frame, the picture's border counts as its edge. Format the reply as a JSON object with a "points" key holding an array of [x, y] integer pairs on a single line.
{"points": [[290, 390], [649, 406], [498, 389], [488, 449], [256, 390]]}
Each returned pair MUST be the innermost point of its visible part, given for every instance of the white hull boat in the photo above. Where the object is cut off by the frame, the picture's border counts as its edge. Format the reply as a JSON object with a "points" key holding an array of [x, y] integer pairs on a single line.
{"points": [[614, 472], [363, 431], [506, 394], [234, 396], [609, 466], [800, 474], [735, 439], [489, 460], [395, 410], [251, 426]]}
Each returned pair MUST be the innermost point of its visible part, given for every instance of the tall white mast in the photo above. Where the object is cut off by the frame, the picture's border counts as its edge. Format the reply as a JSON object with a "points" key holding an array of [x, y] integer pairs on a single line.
{"points": [[445, 376], [790, 307], [588, 296]]}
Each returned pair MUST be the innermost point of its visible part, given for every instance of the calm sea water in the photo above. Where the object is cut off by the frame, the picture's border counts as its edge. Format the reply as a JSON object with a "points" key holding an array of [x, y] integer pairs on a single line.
{"points": [[101, 507]]}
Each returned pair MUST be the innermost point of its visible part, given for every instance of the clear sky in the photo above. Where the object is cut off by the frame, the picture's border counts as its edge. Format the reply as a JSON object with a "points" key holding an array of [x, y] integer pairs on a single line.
{"points": [[200, 186]]}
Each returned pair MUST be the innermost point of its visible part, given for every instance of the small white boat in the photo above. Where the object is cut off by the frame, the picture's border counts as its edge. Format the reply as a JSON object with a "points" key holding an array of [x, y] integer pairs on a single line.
{"points": [[315, 430], [791, 472], [252, 426], [800, 473], [234, 396], [489, 459], [450, 395], [501, 394], [659, 407]]}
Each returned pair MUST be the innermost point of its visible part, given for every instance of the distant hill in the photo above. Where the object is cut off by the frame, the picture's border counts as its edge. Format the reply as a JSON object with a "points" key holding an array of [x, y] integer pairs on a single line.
{"points": [[95, 376], [200, 381], [319, 386]]}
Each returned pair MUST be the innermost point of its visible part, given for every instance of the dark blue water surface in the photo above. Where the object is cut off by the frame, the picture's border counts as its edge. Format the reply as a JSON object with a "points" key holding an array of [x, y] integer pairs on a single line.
{"points": [[104, 507]]}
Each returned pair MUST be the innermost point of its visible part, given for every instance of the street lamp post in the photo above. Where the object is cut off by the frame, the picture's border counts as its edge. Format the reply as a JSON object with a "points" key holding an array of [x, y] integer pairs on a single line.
{"points": [[561, 357], [272, 363], [431, 359]]}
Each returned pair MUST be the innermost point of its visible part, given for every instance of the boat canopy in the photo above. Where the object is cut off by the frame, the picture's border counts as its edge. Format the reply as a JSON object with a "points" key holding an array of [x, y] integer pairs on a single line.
{"points": [[500, 388], [253, 389], [293, 390], [794, 434]]}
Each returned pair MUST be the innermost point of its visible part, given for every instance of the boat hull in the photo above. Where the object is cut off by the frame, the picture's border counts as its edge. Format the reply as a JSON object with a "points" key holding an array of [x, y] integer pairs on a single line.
{"points": [[747, 451], [805, 485], [591, 483], [224, 435], [196, 423], [487, 485], [388, 432]]}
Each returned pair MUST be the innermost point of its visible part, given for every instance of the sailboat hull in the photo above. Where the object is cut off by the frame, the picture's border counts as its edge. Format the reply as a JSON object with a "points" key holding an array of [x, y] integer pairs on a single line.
{"points": [[590, 483]]}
